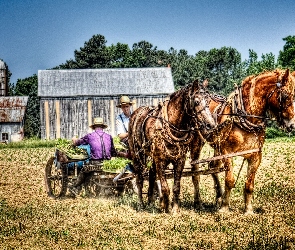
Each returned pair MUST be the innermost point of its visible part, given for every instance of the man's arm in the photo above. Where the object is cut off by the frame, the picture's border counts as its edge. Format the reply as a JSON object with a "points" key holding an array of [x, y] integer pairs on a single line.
{"points": [[82, 141], [123, 136], [121, 130], [113, 150]]}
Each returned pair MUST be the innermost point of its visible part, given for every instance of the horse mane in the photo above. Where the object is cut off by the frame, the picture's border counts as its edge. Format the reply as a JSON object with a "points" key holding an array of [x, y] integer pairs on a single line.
{"points": [[265, 73], [180, 91]]}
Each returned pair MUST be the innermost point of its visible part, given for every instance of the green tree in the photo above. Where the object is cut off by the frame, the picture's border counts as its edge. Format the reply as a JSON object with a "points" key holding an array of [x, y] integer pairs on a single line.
{"points": [[143, 55], [29, 87], [222, 67], [94, 54], [182, 67], [253, 66], [120, 56], [287, 56]]}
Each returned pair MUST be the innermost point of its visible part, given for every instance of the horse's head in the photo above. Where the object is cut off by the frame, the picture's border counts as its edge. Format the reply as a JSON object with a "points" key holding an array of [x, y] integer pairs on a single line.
{"points": [[199, 107], [281, 98]]}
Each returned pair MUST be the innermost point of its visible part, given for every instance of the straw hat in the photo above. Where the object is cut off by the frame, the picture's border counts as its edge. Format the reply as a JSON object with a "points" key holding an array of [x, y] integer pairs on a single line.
{"points": [[98, 122], [124, 100]]}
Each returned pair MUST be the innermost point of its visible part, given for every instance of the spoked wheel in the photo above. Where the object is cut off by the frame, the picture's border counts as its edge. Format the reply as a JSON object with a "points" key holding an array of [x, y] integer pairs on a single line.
{"points": [[92, 187], [56, 180], [131, 187]]}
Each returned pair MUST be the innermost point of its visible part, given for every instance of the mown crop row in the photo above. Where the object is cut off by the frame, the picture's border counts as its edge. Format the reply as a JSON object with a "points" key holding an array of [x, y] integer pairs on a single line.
{"points": [[31, 220]]}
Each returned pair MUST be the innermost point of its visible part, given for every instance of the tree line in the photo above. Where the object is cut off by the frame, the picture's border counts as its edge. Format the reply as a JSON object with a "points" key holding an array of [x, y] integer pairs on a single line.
{"points": [[223, 67]]}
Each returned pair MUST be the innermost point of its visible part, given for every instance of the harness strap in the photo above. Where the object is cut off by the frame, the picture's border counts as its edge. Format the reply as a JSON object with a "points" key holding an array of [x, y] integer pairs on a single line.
{"points": [[123, 123], [241, 114], [104, 154]]}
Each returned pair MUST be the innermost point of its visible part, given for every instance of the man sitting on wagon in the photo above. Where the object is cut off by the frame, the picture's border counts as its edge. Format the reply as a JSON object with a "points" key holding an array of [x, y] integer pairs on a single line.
{"points": [[101, 148], [122, 124]]}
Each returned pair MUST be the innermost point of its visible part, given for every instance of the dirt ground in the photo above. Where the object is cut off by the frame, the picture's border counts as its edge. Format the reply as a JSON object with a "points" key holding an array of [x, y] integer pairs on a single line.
{"points": [[32, 220]]}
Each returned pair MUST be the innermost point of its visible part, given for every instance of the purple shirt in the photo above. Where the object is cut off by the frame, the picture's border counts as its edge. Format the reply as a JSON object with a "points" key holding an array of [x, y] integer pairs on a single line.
{"points": [[99, 140]]}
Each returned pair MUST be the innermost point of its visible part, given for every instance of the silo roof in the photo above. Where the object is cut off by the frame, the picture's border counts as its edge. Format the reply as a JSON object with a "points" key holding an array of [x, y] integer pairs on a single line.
{"points": [[2, 65]]}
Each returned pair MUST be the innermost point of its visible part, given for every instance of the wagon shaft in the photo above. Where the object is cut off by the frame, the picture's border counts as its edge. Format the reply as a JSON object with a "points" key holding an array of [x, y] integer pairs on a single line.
{"points": [[220, 157], [195, 173]]}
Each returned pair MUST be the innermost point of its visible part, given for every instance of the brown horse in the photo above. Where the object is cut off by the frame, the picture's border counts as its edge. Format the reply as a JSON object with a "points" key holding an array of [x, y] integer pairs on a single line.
{"points": [[247, 107], [162, 136]]}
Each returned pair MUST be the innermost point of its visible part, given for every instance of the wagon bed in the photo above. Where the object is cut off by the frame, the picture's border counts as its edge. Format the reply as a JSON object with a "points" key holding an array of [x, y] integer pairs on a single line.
{"points": [[59, 175]]}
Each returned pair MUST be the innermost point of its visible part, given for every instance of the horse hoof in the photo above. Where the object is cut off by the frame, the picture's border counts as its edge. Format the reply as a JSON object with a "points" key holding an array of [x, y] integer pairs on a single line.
{"points": [[247, 213], [223, 210], [218, 202], [175, 211], [140, 207], [199, 207]]}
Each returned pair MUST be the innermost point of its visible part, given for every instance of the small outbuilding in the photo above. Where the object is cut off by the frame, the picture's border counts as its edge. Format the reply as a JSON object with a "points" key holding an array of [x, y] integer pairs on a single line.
{"points": [[12, 113], [70, 99]]}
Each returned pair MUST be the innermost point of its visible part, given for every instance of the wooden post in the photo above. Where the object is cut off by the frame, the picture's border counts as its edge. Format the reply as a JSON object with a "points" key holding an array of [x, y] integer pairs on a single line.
{"points": [[112, 118], [57, 111], [155, 102], [47, 126], [134, 105], [89, 115]]}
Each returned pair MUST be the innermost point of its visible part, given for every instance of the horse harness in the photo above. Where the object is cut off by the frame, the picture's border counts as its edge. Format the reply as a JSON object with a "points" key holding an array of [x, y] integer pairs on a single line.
{"points": [[166, 130], [160, 113], [238, 110]]}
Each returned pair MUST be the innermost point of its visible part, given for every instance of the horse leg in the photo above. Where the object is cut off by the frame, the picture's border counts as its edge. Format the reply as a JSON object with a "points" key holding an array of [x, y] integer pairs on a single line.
{"points": [[218, 190], [229, 184], [152, 179], [164, 198], [139, 181], [179, 165], [196, 183], [217, 185], [196, 148], [253, 164]]}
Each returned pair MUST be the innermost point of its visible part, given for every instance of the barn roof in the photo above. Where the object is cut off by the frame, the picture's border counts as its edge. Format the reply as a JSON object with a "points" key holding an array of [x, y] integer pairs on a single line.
{"points": [[105, 82], [12, 108]]}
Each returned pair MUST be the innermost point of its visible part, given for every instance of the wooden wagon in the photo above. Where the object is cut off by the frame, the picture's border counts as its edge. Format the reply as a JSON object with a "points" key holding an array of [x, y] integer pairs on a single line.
{"points": [[62, 171]]}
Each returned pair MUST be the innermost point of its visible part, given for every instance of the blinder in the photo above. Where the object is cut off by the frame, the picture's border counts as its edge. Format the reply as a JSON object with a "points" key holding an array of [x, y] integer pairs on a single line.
{"points": [[191, 108], [282, 98]]}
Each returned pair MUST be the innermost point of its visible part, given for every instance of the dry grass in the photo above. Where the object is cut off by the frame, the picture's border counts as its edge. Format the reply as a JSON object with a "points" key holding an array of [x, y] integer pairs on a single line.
{"points": [[31, 220]]}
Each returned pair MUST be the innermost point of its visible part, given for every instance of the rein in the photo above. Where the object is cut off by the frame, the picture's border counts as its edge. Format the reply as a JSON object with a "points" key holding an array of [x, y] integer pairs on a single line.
{"points": [[189, 109], [167, 126], [253, 116], [239, 111]]}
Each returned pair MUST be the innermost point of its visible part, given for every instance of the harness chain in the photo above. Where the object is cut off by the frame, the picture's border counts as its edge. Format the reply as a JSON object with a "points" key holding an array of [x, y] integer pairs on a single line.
{"points": [[163, 135]]}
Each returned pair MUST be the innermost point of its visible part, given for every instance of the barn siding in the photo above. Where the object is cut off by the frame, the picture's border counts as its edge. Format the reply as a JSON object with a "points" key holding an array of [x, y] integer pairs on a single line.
{"points": [[72, 107], [74, 114]]}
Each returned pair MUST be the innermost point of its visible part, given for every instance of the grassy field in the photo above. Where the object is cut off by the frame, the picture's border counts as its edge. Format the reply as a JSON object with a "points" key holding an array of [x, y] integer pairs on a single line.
{"points": [[31, 220]]}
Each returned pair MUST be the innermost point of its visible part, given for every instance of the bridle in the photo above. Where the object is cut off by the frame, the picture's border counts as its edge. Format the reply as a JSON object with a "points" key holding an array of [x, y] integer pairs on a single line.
{"points": [[239, 111], [282, 96], [191, 104]]}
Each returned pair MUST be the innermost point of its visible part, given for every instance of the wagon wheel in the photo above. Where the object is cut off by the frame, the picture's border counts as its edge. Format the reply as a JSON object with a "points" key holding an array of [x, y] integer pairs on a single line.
{"points": [[56, 180], [130, 187], [91, 185], [106, 185]]}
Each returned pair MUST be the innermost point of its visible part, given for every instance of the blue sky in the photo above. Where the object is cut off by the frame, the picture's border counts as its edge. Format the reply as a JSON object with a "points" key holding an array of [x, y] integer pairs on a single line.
{"points": [[41, 34]]}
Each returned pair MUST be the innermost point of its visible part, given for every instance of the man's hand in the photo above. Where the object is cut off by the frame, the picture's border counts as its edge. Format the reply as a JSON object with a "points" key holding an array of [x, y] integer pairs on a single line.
{"points": [[74, 139], [123, 136]]}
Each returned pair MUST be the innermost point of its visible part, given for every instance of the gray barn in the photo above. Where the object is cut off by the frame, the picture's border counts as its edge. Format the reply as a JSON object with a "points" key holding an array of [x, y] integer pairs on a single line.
{"points": [[12, 112], [70, 99]]}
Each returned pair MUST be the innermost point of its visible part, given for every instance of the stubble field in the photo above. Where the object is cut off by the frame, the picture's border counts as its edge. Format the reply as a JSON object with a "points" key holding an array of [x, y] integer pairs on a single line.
{"points": [[29, 219]]}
